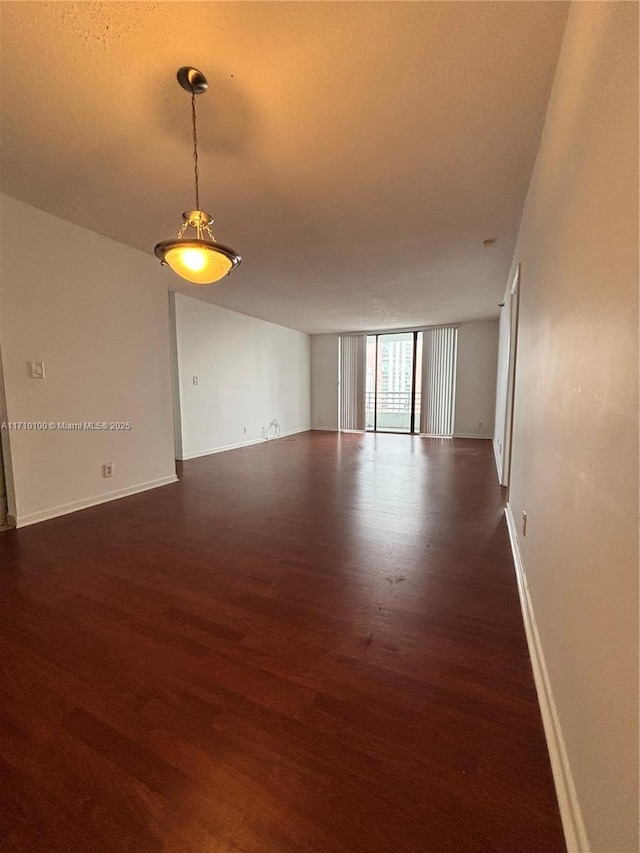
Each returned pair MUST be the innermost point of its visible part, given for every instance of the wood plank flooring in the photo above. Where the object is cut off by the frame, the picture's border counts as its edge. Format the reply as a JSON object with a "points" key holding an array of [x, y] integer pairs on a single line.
{"points": [[312, 644]]}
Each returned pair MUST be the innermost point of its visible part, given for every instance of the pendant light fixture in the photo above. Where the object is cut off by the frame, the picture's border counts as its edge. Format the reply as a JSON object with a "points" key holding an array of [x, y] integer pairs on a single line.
{"points": [[200, 260]]}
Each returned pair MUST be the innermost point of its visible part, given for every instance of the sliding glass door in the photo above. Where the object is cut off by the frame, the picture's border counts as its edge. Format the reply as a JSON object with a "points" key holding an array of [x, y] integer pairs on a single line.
{"points": [[393, 382], [410, 381]]}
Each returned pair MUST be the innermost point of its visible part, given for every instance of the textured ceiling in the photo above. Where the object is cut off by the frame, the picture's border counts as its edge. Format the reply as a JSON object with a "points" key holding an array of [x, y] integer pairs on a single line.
{"points": [[356, 154]]}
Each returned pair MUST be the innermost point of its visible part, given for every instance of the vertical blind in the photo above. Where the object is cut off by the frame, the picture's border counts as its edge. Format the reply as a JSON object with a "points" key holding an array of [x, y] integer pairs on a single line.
{"points": [[353, 352], [439, 352]]}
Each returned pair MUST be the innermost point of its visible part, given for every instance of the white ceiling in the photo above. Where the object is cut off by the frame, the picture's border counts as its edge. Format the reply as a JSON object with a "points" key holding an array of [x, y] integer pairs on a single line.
{"points": [[355, 154]]}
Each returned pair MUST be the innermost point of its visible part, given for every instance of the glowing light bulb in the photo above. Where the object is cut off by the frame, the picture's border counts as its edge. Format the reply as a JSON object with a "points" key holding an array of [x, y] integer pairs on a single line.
{"points": [[193, 259]]}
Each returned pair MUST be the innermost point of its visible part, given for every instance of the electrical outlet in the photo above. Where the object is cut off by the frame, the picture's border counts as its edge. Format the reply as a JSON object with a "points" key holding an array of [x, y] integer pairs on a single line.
{"points": [[245, 430], [524, 523], [195, 380], [107, 469], [36, 369]]}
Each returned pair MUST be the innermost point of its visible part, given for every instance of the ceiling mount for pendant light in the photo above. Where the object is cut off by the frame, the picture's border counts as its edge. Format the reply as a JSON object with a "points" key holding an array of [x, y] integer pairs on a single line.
{"points": [[200, 260]]}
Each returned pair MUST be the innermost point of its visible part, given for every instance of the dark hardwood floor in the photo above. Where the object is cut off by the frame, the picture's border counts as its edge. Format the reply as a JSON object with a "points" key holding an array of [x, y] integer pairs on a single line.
{"points": [[312, 644]]}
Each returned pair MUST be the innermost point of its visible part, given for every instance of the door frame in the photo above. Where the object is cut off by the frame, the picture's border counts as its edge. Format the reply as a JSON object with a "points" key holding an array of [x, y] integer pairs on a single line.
{"points": [[175, 379], [514, 325], [412, 419], [6, 468]]}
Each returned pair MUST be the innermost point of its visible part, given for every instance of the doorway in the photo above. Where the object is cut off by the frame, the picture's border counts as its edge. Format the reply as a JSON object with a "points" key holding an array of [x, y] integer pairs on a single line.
{"points": [[393, 382], [3, 492], [6, 520], [514, 317], [175, 378]]}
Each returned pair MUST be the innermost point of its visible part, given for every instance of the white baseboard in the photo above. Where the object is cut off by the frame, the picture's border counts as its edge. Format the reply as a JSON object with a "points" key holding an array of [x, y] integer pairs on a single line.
{"points": [[572, 823], [498, 462], [471, 435], [248, 443], [65, 509], [186, 456]]}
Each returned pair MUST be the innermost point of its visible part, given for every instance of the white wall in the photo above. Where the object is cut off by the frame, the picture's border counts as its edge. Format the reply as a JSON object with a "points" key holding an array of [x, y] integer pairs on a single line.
{"points": [[324, 382], [249, 372], [95, 312], [476, 379], [575, 451]]}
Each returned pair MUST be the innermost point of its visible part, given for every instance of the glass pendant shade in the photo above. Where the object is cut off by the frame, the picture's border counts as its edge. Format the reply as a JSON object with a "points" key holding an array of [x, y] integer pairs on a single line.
{"points": [[198, 261]]}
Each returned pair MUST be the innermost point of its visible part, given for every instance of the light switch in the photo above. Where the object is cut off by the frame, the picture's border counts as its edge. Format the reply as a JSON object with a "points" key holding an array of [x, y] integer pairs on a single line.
{"points": [[36, 369]]}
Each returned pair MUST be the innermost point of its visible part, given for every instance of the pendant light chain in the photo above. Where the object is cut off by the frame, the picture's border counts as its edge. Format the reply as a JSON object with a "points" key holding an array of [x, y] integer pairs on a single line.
{"points": [[200, 259], [195, 148]]}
